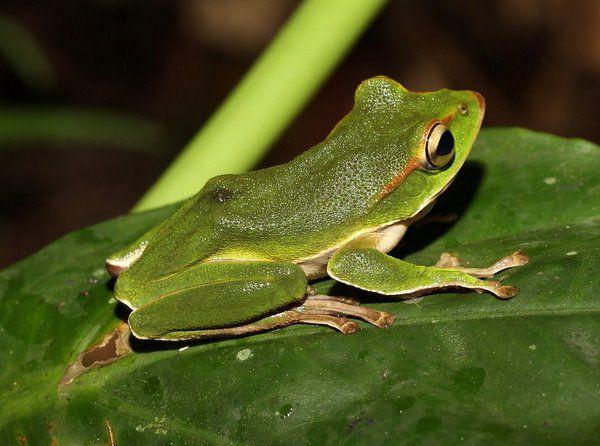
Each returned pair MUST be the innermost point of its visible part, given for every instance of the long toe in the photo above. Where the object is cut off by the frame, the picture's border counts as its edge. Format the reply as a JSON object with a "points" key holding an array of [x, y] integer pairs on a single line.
{"points": [[385, 320], [349, 327]]}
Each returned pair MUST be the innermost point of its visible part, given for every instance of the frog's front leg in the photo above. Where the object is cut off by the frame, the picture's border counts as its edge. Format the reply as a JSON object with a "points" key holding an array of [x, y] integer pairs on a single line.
{"points": [[360, 264]]}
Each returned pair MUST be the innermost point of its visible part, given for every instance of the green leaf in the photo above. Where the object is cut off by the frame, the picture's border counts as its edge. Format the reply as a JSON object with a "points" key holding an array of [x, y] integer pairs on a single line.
{"points": [[454, 369]]}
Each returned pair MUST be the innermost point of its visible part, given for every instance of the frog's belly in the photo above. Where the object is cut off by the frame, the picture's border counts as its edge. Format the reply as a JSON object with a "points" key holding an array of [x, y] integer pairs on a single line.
{"points": [[388, 236]]}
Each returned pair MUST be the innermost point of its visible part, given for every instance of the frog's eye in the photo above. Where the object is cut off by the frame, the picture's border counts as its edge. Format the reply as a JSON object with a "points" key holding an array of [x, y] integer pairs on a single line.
{"points": [[439, 148]]}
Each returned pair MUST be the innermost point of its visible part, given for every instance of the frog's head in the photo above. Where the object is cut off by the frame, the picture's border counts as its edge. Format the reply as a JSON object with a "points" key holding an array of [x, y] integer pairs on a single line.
{"points": [[426, 139]]}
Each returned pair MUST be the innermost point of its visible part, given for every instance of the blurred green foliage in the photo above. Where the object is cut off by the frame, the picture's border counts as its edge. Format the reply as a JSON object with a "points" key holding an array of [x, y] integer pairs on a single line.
{"points": [[64, 126]]}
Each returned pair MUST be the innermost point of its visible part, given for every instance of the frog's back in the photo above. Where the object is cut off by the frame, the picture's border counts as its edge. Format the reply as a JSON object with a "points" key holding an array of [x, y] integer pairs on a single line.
{"points": [[301, 207], [296, 210], [276, 211]]}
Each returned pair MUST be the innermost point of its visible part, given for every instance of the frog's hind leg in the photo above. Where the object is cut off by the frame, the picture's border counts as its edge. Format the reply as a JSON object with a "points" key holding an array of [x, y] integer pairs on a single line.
{"points": [[517, 258], [321, 304], [279, 320], [301, 315], [315, 310], [220, 295]]}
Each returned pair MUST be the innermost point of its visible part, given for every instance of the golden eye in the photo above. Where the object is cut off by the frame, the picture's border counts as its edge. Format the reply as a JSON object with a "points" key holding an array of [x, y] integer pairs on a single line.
{"points": [[439, 148]]}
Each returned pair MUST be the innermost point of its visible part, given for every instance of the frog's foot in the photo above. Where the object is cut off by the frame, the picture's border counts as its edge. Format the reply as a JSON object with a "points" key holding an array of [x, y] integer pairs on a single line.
{"points": [[501, 291], [337, 306], [517, 258], [448, 260], [305, 316]]}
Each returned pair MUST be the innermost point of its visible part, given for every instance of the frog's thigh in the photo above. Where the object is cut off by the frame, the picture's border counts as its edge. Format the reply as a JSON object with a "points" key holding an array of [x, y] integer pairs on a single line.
{"points": [[254, 291], [360, 265]]}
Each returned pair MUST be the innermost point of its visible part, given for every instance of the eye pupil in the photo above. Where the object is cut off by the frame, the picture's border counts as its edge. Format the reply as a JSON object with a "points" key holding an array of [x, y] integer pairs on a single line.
{"points": [[439, 149], [446, 144]]}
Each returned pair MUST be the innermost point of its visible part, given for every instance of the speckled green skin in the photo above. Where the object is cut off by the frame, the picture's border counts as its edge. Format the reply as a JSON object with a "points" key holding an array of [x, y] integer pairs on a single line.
{"points": [[368, 172]]}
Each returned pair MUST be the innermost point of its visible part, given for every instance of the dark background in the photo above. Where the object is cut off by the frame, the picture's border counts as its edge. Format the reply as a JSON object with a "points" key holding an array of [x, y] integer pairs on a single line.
{"points": [[537, 62]]}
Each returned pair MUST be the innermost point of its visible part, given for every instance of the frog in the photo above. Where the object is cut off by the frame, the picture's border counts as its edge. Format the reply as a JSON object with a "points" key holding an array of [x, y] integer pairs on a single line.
{"points": [[241, 256]]}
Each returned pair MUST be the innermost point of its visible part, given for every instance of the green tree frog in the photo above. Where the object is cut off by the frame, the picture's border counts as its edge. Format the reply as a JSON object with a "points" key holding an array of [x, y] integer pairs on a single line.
{"points": [[237, 258]]}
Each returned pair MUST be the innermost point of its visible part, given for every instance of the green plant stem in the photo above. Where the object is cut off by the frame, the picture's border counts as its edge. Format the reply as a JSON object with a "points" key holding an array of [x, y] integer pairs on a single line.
{"points": [[281, 81]]}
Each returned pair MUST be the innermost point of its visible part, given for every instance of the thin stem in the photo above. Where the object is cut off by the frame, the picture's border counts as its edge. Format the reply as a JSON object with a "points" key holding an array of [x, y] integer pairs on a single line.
{"points": [[281, 81]]}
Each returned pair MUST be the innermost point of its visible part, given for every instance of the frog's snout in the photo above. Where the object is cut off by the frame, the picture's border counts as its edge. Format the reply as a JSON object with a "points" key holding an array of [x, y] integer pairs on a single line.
{"points": [[480, 100], [114, 268], [119, 262]]}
